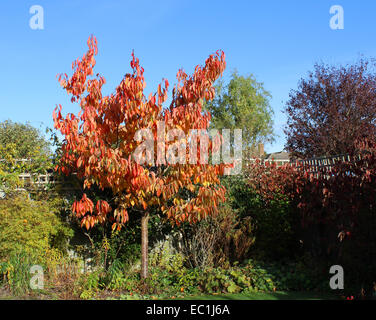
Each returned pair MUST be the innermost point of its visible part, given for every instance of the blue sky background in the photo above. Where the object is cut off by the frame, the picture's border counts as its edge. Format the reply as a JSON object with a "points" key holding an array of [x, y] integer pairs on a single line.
{"points": [[277, 41]]}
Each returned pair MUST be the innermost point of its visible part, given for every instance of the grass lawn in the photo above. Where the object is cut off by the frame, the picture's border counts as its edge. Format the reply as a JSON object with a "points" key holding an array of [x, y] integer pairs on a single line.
{"points": [[281, 295]]}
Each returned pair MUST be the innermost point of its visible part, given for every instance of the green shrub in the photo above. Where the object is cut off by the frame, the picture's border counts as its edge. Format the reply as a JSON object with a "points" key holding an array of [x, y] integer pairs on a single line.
{"points": [[88, 284], [164, 257], [235, 279], [187, 282], [115, 277], [256, 276], [30, 226], [302, 275], [15, 272], [275, 223]]}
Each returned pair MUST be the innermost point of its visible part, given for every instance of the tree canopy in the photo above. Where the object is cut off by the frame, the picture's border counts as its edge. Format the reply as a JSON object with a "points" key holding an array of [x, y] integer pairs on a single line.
{"points": [[243, 104], [20, 141], [28, 141], [101, 145], [332, 109]]}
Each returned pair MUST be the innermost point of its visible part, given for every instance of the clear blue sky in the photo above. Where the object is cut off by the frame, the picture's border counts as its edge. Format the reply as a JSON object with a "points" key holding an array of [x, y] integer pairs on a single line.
{"points": [[277, 41]]}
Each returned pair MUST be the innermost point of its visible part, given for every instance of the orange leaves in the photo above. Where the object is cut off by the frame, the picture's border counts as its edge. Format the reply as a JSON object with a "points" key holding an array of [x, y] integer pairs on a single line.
{"points": [[102, 207], [85, 205], [82, 206], [76, 207], [190, 187], [121, 215], [124, 215], [57, 117], [79, 162], [99, 142], [85, 222], [162, 93]]}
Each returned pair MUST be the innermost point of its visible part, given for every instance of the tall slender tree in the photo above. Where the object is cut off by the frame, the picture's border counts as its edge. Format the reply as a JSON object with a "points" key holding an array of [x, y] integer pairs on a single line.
{"points": [[101, 145], [243, 104]]}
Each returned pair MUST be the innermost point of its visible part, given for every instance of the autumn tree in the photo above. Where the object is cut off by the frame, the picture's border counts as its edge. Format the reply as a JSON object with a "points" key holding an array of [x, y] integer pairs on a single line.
{"points": [[332, 109], [102, 143]]}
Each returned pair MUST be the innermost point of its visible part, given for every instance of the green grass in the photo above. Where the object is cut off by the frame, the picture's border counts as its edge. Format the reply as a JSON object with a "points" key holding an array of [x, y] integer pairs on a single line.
{"points": [[281, 295]]}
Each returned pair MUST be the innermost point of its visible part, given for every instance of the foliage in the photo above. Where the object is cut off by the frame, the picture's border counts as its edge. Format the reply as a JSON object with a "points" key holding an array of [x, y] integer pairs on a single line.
{"points": [[234, 279], [21, 141], [275, 222], [335, 207], [174, 279], [28, 141], [164, 257], [217, 241], [88, 284], [243, 104], [100, 142], [30, 226], [331, 109], [253, 276], [16, 272], [169, 281], [304, 274], [116, 278]]}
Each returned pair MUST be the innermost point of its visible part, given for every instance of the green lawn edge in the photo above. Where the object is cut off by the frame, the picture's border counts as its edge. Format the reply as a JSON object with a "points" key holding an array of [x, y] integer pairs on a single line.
{"points": [[279, 295]]}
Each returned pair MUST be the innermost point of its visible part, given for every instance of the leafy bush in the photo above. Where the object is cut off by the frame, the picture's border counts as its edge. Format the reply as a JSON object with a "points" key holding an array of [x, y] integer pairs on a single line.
{"points": [[274, 220], [30, 226], [304, 274], [118, 278], [16, 272], [187, 282], [332, 210], [216, 241], [235, 279], [165, 257], [109, 246], [88, 284]]}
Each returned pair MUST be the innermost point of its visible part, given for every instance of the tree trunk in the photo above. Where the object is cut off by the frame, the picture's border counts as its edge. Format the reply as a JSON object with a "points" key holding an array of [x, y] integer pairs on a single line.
{"points": [[144, 245]]}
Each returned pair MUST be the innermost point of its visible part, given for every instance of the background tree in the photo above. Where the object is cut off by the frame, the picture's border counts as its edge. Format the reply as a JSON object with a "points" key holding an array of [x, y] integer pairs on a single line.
{"points": [[332, 109], [21, 141], [99, 144], [29, 141], [243, 104]]}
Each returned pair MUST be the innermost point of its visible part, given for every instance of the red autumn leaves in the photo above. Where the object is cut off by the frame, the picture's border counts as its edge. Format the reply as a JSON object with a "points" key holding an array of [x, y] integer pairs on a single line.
{"points": [[99, 142], [337, 197], [85, 205]]}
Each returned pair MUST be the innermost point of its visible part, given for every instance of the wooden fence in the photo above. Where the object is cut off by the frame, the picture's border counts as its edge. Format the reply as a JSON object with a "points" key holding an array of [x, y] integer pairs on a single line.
{"points": [[313, 165]]}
